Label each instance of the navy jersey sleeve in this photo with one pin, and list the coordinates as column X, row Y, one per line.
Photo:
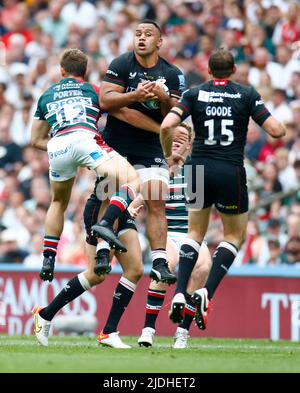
column 258, row 111
column 39, row 115
column 175, row 82
column 186, row 103
column 115, row 72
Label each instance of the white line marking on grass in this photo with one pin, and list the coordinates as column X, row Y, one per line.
column 239, row 346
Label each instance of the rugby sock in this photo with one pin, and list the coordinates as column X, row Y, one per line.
column 158, row 256
column 118, row 204
column 50, row 245
column 188, row 256
column 74, row 288
column 222, row 260
column 155, row 301
column 190, row 312
column 122, row 296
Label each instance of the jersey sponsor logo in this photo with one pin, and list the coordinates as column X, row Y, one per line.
column 71, row 85
column 181, row 81
column 54, row 174
column 110, row 72
column 96, row 155
column 55, row 105
column 259, row 102
column 203, row 96
column 132, row 75
column 58, row 152
column 214, row 96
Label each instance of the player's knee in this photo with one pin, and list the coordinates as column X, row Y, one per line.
column 156, row 207
column 134, row 181
column 134, row 273
column 195, row 235
column 172, row 265
column 94, row 279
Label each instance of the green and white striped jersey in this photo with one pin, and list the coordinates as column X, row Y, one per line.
column 176, row 212
column 69, row 105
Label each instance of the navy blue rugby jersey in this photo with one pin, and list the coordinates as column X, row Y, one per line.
column 127, row 72
column 220, row 111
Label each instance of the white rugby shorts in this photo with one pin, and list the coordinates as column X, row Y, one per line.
column 69, row 151
column 153, row 173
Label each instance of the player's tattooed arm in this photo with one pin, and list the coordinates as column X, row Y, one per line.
column 40, row 134
column 112, row 96
column 166, row 102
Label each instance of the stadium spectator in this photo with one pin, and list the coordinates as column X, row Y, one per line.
column 10, row 252
column 252, row 22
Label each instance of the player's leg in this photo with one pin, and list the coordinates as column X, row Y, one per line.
column 54, row 223
column 232, row 202
column 77, row 285
column 132, row 266
column 122, row 183
column 189, row 252
column 155, row 298
column 197, row 280
column 234, row 235
column 154, row 189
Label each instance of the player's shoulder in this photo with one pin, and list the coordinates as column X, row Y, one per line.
column 243, row 88
column 125, row 58
column 169, row 66
column 49, row 92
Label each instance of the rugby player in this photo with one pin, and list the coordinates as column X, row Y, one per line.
column 220, row 111
column 177, row 218
column 131, row 261
column 65, row 125
column 136, row 74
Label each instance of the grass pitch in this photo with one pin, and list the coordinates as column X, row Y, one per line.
column 83, row 354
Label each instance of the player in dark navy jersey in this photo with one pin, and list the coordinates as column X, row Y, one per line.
column 220, row 111
column 143, row 81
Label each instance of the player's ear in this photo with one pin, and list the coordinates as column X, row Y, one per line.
column 234, row 70
column 63, row 72
column 159, row 43
column 209, row 71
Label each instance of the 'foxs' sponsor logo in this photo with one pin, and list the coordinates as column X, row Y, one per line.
column 55, row 105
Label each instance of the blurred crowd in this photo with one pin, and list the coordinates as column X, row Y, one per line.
column 263, row 36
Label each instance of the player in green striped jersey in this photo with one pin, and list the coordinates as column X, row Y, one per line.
column 65, row 125
column 177, row 218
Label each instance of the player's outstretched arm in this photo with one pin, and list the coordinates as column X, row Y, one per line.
column 273, row 127
column 112, row 96
column 170, row 122
column 40, row 134
column 136, row 119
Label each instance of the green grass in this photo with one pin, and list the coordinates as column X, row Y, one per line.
column 82, row 354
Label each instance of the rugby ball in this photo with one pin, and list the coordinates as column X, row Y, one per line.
column 155, row 104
